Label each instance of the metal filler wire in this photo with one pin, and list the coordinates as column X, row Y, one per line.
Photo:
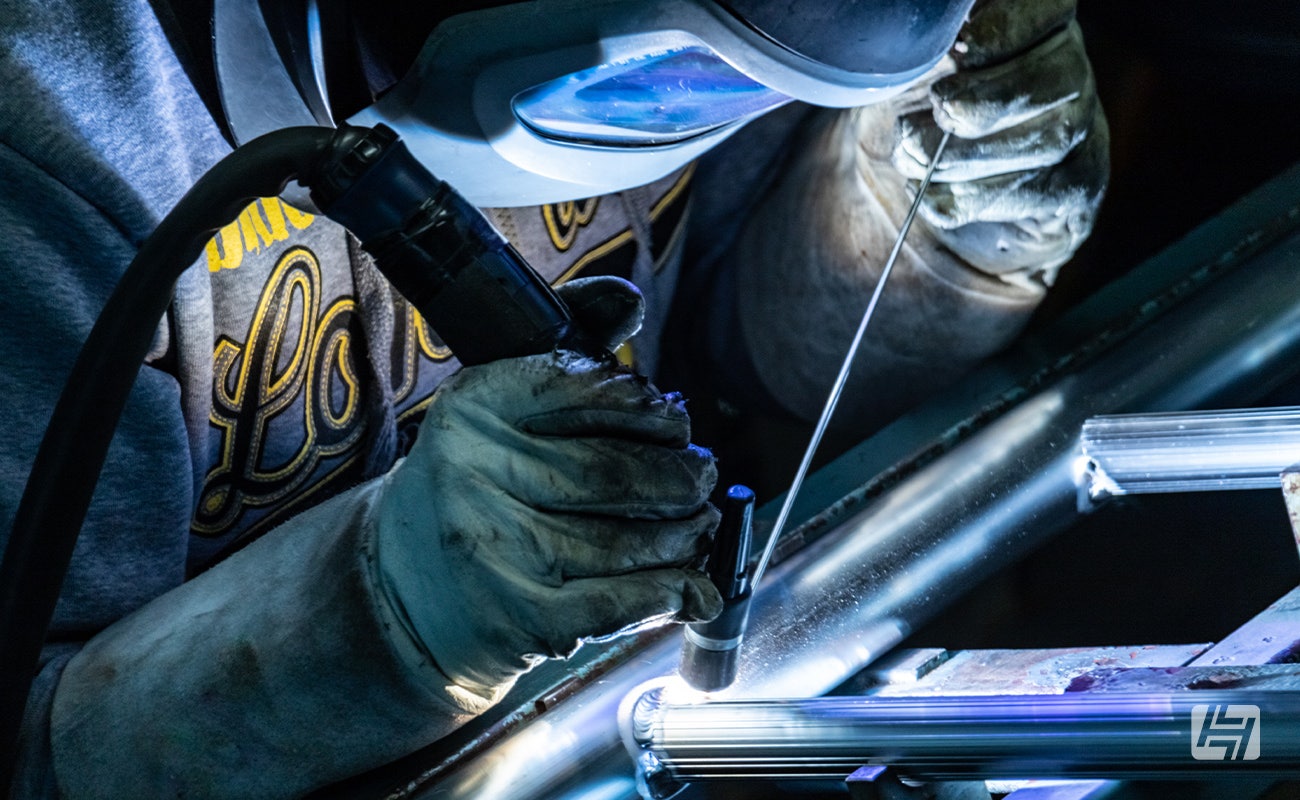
column 838, row 388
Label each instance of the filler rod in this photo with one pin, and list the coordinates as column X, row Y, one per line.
column 838, row 387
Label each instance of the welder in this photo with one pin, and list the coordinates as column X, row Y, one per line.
column 318, row 544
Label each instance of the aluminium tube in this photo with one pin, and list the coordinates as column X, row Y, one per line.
column 830, row 609
column 1178, row 735
column 1189, row 451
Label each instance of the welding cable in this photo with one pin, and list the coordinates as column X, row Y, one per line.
column 67, row 466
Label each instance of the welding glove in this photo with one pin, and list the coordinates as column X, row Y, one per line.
column 1015, row 194
column 548, row 499
column 1017, row 188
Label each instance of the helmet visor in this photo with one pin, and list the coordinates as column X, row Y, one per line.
column 657, row 99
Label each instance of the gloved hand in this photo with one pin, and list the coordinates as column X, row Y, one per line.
column 548, row 499
column 1013, row 198
column 1017, row 188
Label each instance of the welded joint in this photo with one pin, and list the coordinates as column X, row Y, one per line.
column 1092, row 484
column 1291, row 496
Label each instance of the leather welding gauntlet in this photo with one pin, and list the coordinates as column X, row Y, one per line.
column 548, row 499
column 1013, row 197
column 1017, row 188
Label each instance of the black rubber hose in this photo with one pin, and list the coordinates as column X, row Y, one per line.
column 71, row 455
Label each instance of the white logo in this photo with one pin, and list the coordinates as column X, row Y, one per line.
column 1221, row 737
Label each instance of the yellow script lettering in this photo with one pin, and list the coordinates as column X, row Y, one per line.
column 259, row 224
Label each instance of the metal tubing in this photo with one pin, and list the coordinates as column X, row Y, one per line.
column 1189, row 451
column 826, row 612
column 1169, row 736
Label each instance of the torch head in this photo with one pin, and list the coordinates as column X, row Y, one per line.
column 711, row 650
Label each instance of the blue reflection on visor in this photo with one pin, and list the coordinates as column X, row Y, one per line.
column 653, row 100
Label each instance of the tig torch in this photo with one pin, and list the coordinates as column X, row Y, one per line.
column 481, row 297
column 710, row 650
column 455, row 268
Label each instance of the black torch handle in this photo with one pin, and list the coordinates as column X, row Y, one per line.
column 477, row 292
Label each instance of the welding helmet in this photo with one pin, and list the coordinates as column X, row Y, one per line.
column 534, row 102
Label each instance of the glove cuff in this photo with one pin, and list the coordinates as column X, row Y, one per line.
column 812, row 254
column 430, row 624
column 285, row 647
column 414, row 644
